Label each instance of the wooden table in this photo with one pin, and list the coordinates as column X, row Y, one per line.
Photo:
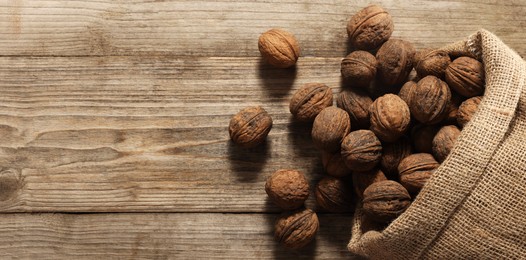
column 114, row 115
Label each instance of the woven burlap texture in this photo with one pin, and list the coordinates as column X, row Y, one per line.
column 474, row 206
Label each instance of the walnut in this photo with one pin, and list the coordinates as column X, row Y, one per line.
column 467, row 109
column 369, row 28
column 393, row 154
column 451, row 117
column 250, row 126
column 297, row 228
column 405, row 91
column 395, row 62
column 359, row 68
column 330, row 126
column 384, row 201
column 361, row 150
column 362, row 180
column 415, row 170
column 422, row 137
column 357, row 103
column 431, row 62
column 287, row 188
column 390, row 117
column 465, row 75
column 334, row 195
column 429, row 100
column 309, row 100
column 334, row 165
column 444, row 141
column 279, row 48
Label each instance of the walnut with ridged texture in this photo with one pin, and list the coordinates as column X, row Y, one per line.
column 334, row 165
column 467, row 109
column 359, row 68
column 384, row 201
column 429, row 100
column 444, row 141
column 390, row 117
column 395, row 62
column 369, row 28
column 361, row 150
column 287, row 188
column 431, row 62
column 362, row 180
column 308, row 101
column 279, row 48
column 296, row 229
column 415, row 170
column 334, row 195
column 466, row 76
column 393, row 154
column 357, row 103
column 250, row 126
column 330, row 127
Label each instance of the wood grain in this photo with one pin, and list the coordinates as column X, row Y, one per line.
column 146, row 134
column 230, row 28
column 162, row 236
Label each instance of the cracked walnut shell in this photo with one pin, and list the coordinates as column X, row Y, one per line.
column 287, row 188
column 279, row 48
column 250, row 126
column 369, row 28
column 309, row 100
column 297, row 228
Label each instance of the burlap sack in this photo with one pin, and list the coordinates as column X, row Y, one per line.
column 474, row 206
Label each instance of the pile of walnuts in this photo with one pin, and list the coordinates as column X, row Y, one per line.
column 387, row 134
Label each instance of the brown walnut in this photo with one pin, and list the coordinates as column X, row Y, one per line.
column 309, row 100
column 429, row 100
column 361, row 150
column 451, row 117
column 444, row 141
column 362, row 180
column 465, row 75
column 369, row 28
column 405, row 91
column 287, row 188
column 390, row 117
column 357, row 103
column 422, row 137
column 250, row 126
column 359, row 68
column 296, row 229
column 334, row 165
column 279, row 48
column 395, row 62
column 415, row 170
column 431, row 62
column 330, row 127
column 334, row 195
column 385, row 200
column 393, row 154
column 467, row 109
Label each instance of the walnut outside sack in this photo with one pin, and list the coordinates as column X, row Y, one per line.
column 474, row 205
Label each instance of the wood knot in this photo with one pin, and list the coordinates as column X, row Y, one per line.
column 10, row 183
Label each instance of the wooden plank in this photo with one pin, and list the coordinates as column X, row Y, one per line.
column 161, row 236
column 231, row 28
column 146, row 134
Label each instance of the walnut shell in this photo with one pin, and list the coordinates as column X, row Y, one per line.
column 465, row 75
column 334, row 165
column 361, row 150
column 279, row 48
column 467, row 109
column 431, row 62
column 393, row 154
column 250, row 126
column 384, row 201
column 362, row 180
column 405, row 91
column 309, row 100
column 390, row 117
column 334, row 195
column 422, row 137
column 356, row 103
column 429, row 100
column 287, row 188
column 330, row 127
column 369, row 28
column 297, row 228
column 359, row 68
column 395, row 62
column 415, row 170
column 444, row 141
column 451, row 117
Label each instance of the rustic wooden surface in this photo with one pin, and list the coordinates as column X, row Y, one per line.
column 114, row 114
